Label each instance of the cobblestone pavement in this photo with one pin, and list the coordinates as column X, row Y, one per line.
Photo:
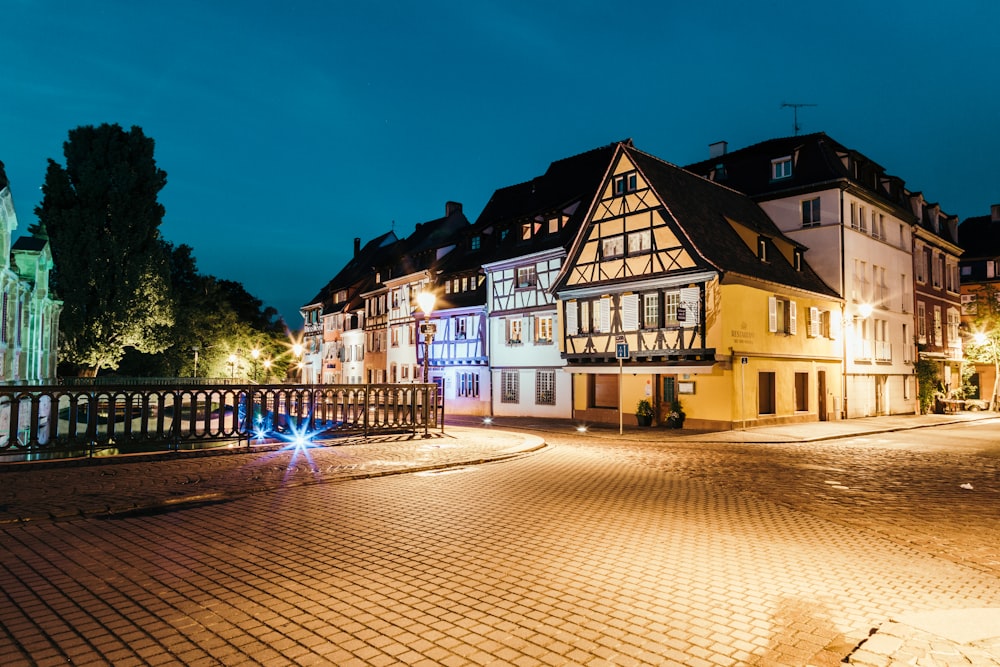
column 595, row 550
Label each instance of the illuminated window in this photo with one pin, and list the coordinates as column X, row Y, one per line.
column 526, row 276
column 545, row 388
column 514, row 332
column 639, row 242
column 671, row 301
column 651, row 311
column 509, row 381
column 543, row 329
column 612, row 247
column 475, row 242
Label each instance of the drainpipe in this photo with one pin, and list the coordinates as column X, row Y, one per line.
column 843, row 307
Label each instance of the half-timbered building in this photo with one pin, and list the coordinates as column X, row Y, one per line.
column 527, row 228
column 677, row 288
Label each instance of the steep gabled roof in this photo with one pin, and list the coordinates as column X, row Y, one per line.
column 707, row 212
column 564, row 190
column 979, row 237
column 359, row 269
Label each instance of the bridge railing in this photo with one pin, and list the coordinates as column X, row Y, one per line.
column 103, row 419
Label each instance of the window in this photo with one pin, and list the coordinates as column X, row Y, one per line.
column 509, row 381
column 801, row 392
column 404, row 372
column 953, row 320
column 762, row 248
column 765, row 393
column 639, row 242
column 394, row 332
column 475, row 243
column 526, row 276
column 921, row 322
column 530, row 229
column 966, row 270
column 543, row 329
column 862, row 220
column 797, row 259
column 468, row 385
column 883, row 350
column 626, row 183
column 781, row 315
column 613, row 246
column 514, row 332
column 459, row 327
column 671, row 301
column 814, row 325
column 907, row 344
column 854, row 215
column 810, row 212
column 938, row 268
column 938, row 334
column 651, row 311
column 781, row 168
column 545, row 388
column 584, row 317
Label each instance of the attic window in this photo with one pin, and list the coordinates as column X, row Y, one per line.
column 626, row 183
column 781, row 168
column 475, row 242
column 762, row 248
column 720, row 172
column 797, row 259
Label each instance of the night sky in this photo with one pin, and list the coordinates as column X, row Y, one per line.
column 288, row 128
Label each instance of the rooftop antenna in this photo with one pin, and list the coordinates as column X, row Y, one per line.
column 795, row 109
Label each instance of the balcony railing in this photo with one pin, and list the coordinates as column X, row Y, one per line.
column 39, row 422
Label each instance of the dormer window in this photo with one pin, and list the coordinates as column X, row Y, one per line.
column 475, row 242
column 762, row 248
column 626, row 183
column 781, row 168
column 797, row 259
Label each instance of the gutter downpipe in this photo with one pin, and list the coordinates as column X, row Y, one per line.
column 843, row 306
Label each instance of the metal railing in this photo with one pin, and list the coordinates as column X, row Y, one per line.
column 106, row 419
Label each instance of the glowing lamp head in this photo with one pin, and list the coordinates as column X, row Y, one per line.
column 232, row 358
column 980, row 338
column 255, row 353
column 865, row 309
column 426, row 301
column 297, row 349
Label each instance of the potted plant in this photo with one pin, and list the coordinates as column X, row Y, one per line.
column 644, row 412
column 675, row 419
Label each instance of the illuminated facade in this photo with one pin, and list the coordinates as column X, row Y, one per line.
column 702, row 297
column 861, row 227
column 29, row 316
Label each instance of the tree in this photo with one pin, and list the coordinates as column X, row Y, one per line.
column 983, row 343
column 102, row 217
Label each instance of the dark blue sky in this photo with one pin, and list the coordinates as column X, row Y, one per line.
column 288, row 128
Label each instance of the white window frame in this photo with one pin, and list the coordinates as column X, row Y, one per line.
column 781, row 168
column 545, row 387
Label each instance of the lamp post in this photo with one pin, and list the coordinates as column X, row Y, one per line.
column 267, row 369
column 232, row 366
column 426, row 301
column 195, row 348
column 982, row 339
column 255, row 354
column 298, row 351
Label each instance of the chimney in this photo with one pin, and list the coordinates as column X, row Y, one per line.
column 357, row 246
column 718, row 149
column 452, row 207
column 995, row 212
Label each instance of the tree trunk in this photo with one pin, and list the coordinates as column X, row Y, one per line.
column 89, row 372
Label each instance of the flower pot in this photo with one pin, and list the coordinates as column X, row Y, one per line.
column 644, row 420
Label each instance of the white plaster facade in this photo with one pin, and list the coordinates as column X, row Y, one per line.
column 526, row 366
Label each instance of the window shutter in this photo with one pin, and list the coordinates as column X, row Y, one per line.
column 813, row 321
column 605, row 314
column 772, row 314
column 791, row 317
column 630, row 312
column 835, row 325
column 572, row 327
column 690, row 301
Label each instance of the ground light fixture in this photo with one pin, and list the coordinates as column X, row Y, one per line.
column 426, row 300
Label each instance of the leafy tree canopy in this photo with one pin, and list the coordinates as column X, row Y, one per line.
column 102, row 217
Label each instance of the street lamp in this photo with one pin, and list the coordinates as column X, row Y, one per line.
column 982, row 339
column 195, row 348
column 426, row 301
column 232, row 366
column 267, row 369
column 298, row 351
column 255, row 353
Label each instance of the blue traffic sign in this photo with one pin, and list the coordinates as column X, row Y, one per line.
column 621, row 351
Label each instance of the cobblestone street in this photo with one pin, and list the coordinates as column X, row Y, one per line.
column 596, row 549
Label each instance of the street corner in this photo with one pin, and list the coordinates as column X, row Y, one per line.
column 500, row 441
